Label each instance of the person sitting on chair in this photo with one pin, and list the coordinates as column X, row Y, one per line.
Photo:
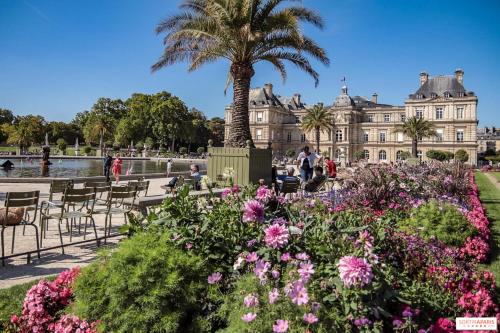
column 195, row 175
column 319, row 177
column 331, row 167
column 290, row 171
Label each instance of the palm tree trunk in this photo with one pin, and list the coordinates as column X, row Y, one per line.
column 240, row 127
column 318, row 137
column 414, row 144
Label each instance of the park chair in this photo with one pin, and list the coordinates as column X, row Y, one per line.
column 76, row 204
column 25, row 205
column 101, row 191
column 120, row 202
column 178, row 185
column 290, row 186
column 318, row 188
column 142, row 186
column 58, row 186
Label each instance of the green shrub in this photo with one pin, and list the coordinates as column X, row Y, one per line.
column 61, row 144
column 436, row 155
column 442, row 221
column 183, row 150
column 200, row 150
column 146, row 285
column 87, row 149
column 290, row 152
column 461, row 156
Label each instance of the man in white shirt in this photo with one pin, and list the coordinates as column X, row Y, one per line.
column 305, row 162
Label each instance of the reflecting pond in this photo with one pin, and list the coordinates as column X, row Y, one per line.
column 81, row 167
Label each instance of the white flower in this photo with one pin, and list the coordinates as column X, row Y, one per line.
column 238, row 263
column 228, row 172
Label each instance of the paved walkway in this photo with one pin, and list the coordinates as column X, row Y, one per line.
column 16, row 270
column 492, row 179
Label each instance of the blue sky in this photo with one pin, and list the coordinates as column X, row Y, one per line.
column 57, row 57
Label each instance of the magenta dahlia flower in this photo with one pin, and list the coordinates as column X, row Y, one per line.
column 355, row 271
column 276, row 236
column 253, row 211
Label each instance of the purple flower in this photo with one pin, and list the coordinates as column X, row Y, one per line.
column 275, row 273
column 396, row 322
column 252, row 257
column 251, row 243
column 305, row 271
column 362, row 322
column 263, row 193
column 315, row 307
column 226, row 192
column 189, row 246
column 281, row 326
column 276, row 236
column 273, row 296
column 407, row 312
column 302, row 256
column 354, row 271
column 214, row 278
column 253, row 211
column 251, row 301
column 286, row 257
column 248, row 317
column 261, row 268
column 310, row 318
column 280, row 220
column 298, row 293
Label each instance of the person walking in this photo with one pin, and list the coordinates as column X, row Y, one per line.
column 169, row 167
column 108, row 162
column 305, row 163
column 117, row 167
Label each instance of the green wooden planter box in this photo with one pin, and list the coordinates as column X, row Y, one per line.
column 249, row 164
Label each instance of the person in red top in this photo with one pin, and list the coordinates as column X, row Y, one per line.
column 117, row 167
column 331, row 167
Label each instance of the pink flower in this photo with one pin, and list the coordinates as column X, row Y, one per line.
column 302, row 256
column 305, row 271
column 248, row 317
column 251, row 301
column 252, row 257
column 261, row 268
column 273, row 296
column 214, row 278
column 276, row 236
column 253, row 211
column 310, row 318
column 14, row 319
column 226, row 192
column 298, row 293
column 354, row 271
column 444, row 325
column 286, row 257
column 275, row 273
column 263, row 193
column 281, row 326
column 189, row 246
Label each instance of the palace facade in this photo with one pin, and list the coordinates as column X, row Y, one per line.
column 362, row 124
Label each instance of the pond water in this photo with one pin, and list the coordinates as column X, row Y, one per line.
column 68, row 168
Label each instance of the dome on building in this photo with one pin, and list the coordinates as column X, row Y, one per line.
column 343, row 100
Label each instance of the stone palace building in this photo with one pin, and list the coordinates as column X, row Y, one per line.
column 362, row 124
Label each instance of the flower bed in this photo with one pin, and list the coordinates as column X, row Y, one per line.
column 345, row 261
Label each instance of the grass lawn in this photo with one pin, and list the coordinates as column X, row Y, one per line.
column 496, row 175
column 11, row 299
column 490, row 197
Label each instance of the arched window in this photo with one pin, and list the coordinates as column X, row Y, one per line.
column 338, row 135
column 366, row 154
column 337, row 154
column 382, row 155
column 399, row 154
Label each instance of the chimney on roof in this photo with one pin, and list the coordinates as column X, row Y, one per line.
column 374, row 98
column 459, row 75
column 423, row 78
column 268, row 88
column 296, row 99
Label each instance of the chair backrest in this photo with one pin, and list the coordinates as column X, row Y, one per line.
column 141, row 186
column 78, row 195
column 59, row 186
column 99, row 187
column 319, row 186
column 27, row 200
column 290, row 186
column 123, row 192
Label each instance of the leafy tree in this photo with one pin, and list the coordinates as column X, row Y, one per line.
column 26, row 130
column 405, row 155
column 416, row 128
column 183, row 150
column 87, row 150
column 149, row 143
column 317, row 120
column 6, row 116
column 436, row 155
column 461, row 156
column 216, row 130
column 61, row 144
column 359, row 155
column 102, row 120
column 244, row 32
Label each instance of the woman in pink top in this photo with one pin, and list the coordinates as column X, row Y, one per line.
column 117, row 167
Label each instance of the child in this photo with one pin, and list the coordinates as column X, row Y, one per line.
column 117, row 167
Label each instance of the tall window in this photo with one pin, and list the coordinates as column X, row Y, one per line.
column 260, row 117
column 289, row 137
column 399, row 154
column 370, row 118
column 439, row 134
column 387, row 118
column 419, row 113
column 366, row 136
column 302, row 138
column 447, row 95
column 382, row 155
column 439, row 113
column 337, row 154
column 381, row 137
column 338, row 135
column 403, row 117
column 460, row 135
column 258, row 134
column 460, row 112
column 366, row 154
column 400, row 136
column 297, row 119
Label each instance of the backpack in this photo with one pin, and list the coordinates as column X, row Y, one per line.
column 305, row 164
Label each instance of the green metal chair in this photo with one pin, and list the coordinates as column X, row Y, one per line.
column 142, row 186
column 289, row 186
column 101, row 191
column 76, row 204
column 28, row 202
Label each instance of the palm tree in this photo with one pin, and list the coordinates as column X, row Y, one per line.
column 317, row 119
column 416, row 128
column 244, row 32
